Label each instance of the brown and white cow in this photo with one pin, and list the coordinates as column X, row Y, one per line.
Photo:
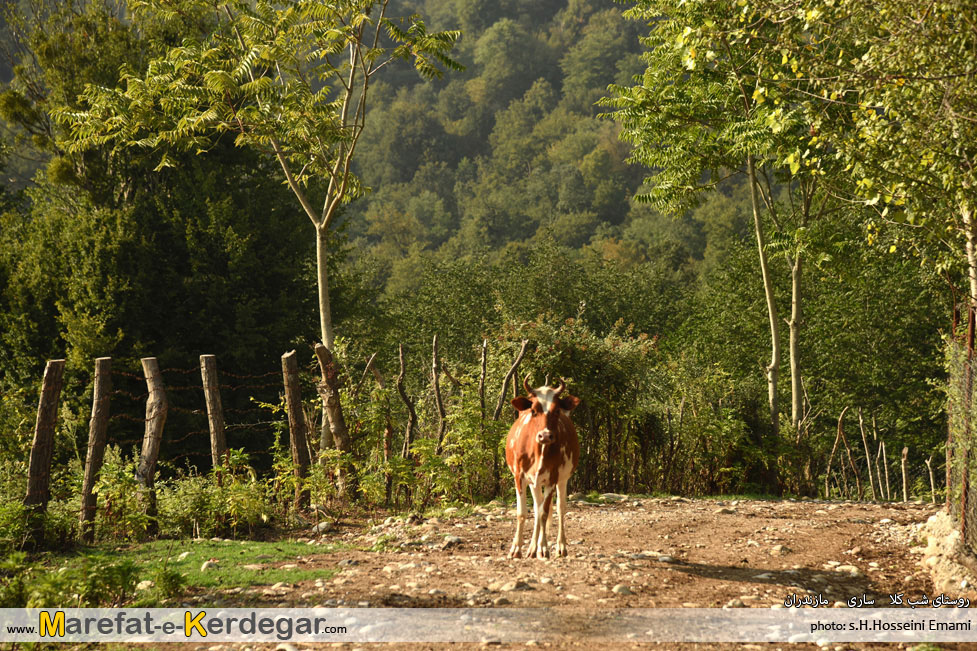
column 542, row 450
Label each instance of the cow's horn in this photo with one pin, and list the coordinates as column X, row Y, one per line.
column 525, row 384
column 559, row 389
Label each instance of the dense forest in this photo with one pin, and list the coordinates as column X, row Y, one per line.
column 584, row 175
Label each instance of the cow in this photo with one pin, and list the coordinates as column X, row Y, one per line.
column 542, row 450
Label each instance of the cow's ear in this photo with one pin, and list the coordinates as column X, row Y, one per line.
column 569, row 403
column 522, row 403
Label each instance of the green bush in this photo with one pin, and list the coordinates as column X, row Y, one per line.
column 120, row 515
column 226, row 502
column 88, row 584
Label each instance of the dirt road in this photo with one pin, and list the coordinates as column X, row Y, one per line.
column 624, row 553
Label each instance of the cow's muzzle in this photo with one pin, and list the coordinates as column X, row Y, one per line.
column 544, row 436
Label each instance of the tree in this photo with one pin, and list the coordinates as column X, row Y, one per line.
column 709, row 105
column 291, row 79
column 900, row 77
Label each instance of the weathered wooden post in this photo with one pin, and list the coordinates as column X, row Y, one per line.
column 42, row 450
column 929, row 466
column 411, row 413
column 885, row 460
column 215, row 411
column 298, row 437
column 868, row 455
column 438, row 401
column 156, row 408
column 905, row 489
column 102, row 393
column 328, row 389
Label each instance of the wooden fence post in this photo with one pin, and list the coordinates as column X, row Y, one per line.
column 411, row 413
column 102, row 393
column 328, row 389
column 885, row 460
column 929, row 466
column 868, row 455
column 438, row 401
column 42, row 449
column 156, row 408
column 905, row 489
column 215, row 411
column 296, row 427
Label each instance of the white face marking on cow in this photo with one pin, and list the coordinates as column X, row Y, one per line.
column 528, row 417
column 546, row 396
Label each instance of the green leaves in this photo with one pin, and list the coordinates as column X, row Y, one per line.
column 287, row 78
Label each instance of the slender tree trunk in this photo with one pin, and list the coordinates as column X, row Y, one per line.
column 326, row 436
column 773, row 368
column 794, row 325
column 322, row 275
column 971, row 244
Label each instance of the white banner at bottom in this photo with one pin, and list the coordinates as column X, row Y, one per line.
column 506, row 625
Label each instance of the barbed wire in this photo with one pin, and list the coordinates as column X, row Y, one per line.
column 129, row 394
column 141, row 378
column 235, row 387
column 250, row 377
column 185, row 371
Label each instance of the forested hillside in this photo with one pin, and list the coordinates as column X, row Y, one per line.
column 494, row 202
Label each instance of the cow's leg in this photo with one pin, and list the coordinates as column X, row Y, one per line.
column 516, row 550
column 561, row 509
column 537, row 509
column 543, row 548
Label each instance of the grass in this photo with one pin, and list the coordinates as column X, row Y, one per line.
column 229, row 571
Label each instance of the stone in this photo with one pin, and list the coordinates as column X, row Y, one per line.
column 286, row 646
column 450, row 541
column 323, row 527
column 500, row 601
column 208, row 565
column 145, row 585
column 849, row 569
column 182, row 556
column 621, row 589
column 735, row 603
column 725, row 511
column 515, row 585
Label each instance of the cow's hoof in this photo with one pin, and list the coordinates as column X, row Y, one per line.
column 543, row 553
column 515, row 553
column 531, row 552
column 561, row 550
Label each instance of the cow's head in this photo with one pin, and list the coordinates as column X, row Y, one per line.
column 542, row 406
